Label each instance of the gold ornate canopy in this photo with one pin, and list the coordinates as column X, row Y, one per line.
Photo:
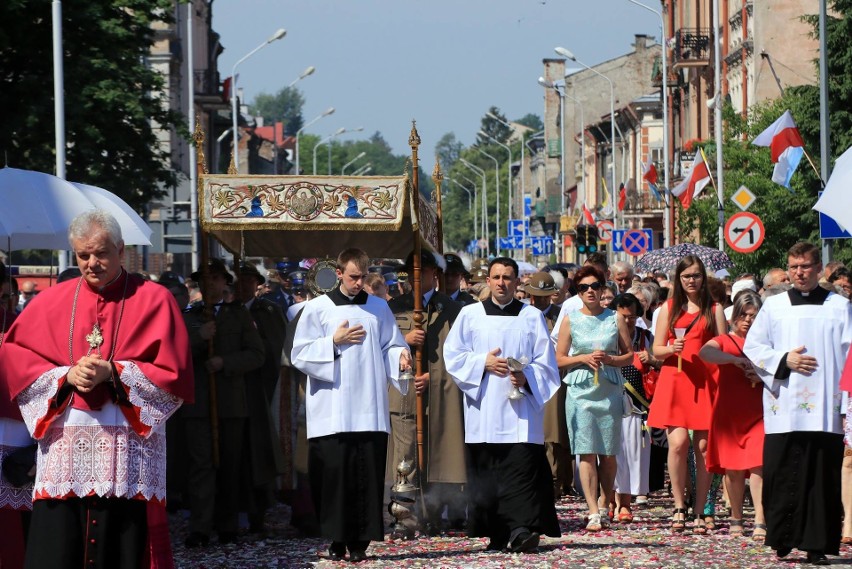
column 314, row 216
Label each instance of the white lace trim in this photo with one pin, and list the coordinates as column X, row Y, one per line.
column 103, row 460
column 35, row 399
column 98, row 452
column 11, row 497
column 155, row 405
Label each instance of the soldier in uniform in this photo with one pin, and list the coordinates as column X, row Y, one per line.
column 453, row 275
column 266, row 461
column 541, row 287
column 445, row 470
column 213, row 492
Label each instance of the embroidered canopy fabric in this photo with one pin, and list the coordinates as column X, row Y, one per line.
column 310, row 216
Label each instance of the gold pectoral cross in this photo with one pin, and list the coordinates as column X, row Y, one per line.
column 95, row 339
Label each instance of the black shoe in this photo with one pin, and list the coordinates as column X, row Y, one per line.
column 497, row 545
column 817, row 558
column 783, row 552
column 227, row 537
column 357, row 556
column 197, row 539
column 526, row 542
column 337, row 550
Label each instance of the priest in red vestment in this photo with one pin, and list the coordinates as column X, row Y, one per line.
column 96, row 366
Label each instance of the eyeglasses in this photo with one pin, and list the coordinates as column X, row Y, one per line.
column 803, row 266
column 584, row 287
column 692, row 277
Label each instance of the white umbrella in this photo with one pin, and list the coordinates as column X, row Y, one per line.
column 38, row 208
column 134, row 230
column 525, row 268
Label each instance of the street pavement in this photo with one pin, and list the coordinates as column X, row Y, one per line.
column 647, row 542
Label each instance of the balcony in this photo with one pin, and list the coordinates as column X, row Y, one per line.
column 735, row 58
column 692, row 48
column 657, row 75
column 207, row 93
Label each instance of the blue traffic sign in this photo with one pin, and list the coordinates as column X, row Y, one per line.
column 829, row 229
column 518, row 227
column 618, row 244
column 527, row 206
column 637, row 241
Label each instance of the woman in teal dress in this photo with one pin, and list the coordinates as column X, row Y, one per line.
column 593, row 345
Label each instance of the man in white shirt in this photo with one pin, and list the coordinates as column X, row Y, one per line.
column 511, row 489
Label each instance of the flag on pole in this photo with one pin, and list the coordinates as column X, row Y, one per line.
column 837, row 196
column 649, row 174
column 622, row 198
column 587, row 215
column 786, row 145
column 692, row 185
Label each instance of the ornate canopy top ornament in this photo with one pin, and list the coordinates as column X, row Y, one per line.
column 437, row 174
column 413, row 138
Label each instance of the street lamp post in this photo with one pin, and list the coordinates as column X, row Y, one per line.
column 307, row 72
column 565, row 53
column 328, row 111
column 508, row 176
column 338, row 132
column 511, row 205
column 348, row 164
column 276, row 36
column 469, row 203
column 362, row 171
column 667, row 214
column 359, row 129
column 475, row 214
column 484, row 220
column 497, row 185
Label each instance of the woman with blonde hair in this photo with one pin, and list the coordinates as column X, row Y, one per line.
column 683, row 400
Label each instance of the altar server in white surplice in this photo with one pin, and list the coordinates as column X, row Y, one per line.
column 348, row 344
column 798, row 343
column 511, row 488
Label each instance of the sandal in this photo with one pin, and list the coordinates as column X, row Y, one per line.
column 709, row 522
column 625, row 516
column 735, row 528
column 594, row 522
column 759, row 533
column 699, row 527
column 678, row 522
column 845, row 540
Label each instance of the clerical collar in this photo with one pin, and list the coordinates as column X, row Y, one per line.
column 513, row 308
column 339, row 299
column 112, row 288
column 815, row 296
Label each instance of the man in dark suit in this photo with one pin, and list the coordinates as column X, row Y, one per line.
column 237, row 349
column 266, row 460
column 453, row 275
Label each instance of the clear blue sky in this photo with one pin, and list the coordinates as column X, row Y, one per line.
column 381, row 63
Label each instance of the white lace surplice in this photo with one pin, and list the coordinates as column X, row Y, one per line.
column 98, row 452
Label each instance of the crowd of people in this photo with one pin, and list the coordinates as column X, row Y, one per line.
column 588, row 381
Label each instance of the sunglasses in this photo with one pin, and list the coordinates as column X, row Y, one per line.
column 584, row 287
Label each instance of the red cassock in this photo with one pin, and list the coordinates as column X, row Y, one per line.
column 735, row 441
column 109, row 442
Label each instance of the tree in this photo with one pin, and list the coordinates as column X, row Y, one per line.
column 284, row 106
column 532, row 121
column 115, row 104
column 494, row 128
column 448, row 150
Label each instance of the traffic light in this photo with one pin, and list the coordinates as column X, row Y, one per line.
column 587, row 239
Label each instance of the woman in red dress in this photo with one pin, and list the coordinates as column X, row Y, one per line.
column 735, row 443
column 682, row 401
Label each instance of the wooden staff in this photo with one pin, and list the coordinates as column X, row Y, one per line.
column 419, row 318
column 438, row 178
column 207, row 314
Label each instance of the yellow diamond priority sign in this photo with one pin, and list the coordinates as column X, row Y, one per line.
column 743, row 197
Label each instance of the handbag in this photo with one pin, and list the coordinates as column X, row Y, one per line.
column 649, row 381
column 18, row 464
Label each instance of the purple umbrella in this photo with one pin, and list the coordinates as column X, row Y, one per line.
column 665, row 260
